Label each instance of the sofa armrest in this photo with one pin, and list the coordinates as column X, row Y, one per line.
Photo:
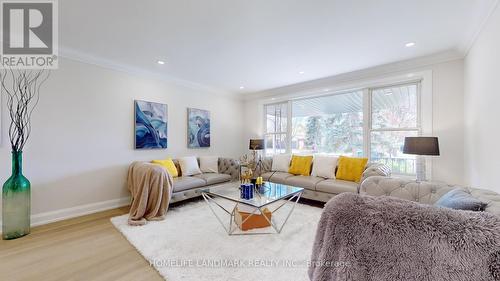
column 487, row 196
column 230, row 167
column 376, row 169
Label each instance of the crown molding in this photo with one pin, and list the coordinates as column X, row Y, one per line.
column 367, row 73
column 81, row 57
column 468, row 45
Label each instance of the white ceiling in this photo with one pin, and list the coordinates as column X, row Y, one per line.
column 263, row 44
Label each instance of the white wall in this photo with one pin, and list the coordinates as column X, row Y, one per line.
column 447, row 107
column 482, row 100
column 82, row 140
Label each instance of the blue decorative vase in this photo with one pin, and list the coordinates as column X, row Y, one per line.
column 246, row 191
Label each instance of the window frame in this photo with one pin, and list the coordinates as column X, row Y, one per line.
column 287, row 131
column 370, row 129
column 367, row 92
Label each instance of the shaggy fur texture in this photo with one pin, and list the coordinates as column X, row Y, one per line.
column 384, row 238
column 190, row 232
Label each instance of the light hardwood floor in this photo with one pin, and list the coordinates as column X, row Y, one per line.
column 84, row 248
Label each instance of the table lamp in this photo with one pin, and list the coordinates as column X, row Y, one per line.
column 421, row 146
column 257, row 144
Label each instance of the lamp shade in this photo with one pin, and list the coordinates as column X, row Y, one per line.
column 256, row 144
column 421, row 146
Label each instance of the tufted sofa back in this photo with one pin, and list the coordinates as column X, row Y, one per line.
column 226, row 166
column 371, row 169
column 423, row 192
column 230, row 166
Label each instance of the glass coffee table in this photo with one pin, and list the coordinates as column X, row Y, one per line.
column 273, row 206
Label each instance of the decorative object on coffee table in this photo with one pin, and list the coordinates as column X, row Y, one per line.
column 246, row 220
column 245, row 177
column 421, row 146
column 150, row 125
column 22, row 90
column 260, row 186
column 246, row 191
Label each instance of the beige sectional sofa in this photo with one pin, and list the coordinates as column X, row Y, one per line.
column 317, row 188
column 186, row 187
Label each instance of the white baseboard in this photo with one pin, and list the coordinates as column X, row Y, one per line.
column 62, row 214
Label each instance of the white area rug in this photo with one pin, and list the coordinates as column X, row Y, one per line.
column 190, row 244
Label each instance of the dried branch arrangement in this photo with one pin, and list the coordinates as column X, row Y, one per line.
column 22, row 90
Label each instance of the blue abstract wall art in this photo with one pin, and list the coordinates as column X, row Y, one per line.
column 198, row 128
column 150, row 125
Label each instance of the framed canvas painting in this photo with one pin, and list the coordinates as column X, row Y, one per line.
column 150, row 125
column 198, row 128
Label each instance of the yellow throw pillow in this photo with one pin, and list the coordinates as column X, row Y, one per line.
column 301, row 165
column 351, row 169
column 169, row 165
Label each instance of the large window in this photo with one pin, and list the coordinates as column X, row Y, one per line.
column 276, row 128
column 372, row 122
column 331, row 124
column 394, row 116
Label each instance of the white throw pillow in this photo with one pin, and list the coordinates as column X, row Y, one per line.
column 209, row 164
column 189, row 166
column 281, row 163
column 324, row 166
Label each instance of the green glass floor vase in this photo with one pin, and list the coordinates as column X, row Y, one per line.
column 16, row 201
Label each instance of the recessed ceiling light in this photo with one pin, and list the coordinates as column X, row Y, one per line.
column 241, row 87
column 326, row 90
column 410, row 44
column 273, row 98
column 301, row 72
column 160, row 62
